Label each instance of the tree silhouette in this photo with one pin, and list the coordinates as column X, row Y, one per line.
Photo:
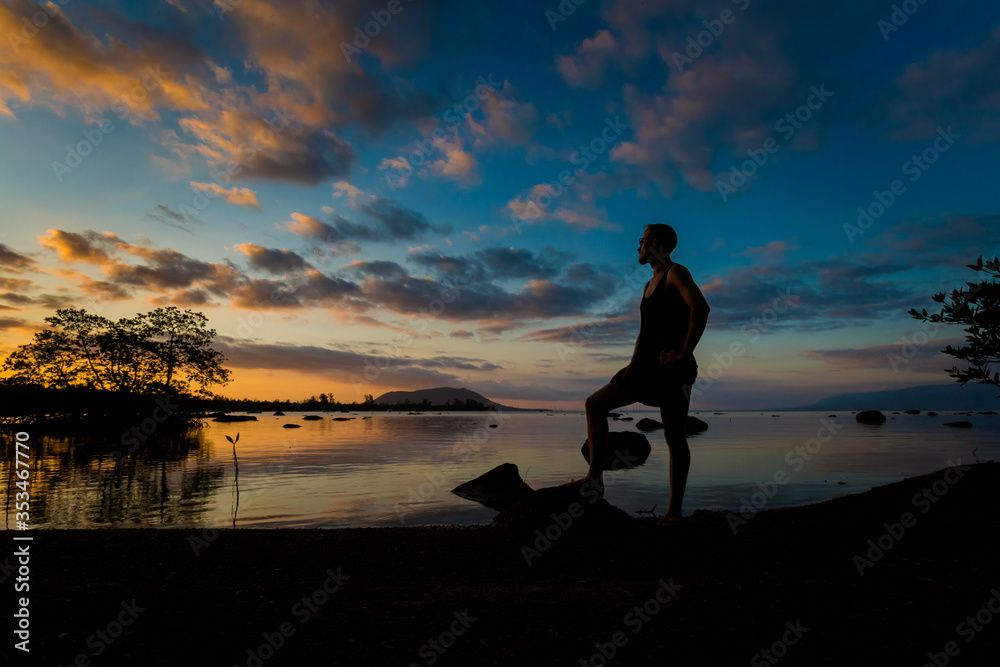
column 165, row 350
column 978, row 308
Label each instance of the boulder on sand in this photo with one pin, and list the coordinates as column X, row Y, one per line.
column 563, row 513
column 870, row 417
column 625, row 449
column 497, row 489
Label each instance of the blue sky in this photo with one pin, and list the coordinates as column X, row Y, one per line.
column 302, row 207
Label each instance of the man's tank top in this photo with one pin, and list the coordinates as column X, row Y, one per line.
column 663, row 322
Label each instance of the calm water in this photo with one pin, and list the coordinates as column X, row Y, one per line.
column 393, row 469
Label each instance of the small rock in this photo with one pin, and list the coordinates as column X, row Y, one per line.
column 235, row 418
column 694, row 425
column 292, row 426
column 870, row 417
column 932, row 414
column 312, row 418
column 646, row 424
column 279, row 413
column 959, row 424
column 624, row 450
column 497, row 489
column 912, row 412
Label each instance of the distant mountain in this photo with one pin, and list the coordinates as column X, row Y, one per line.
column 438, row 396
column 925, row 397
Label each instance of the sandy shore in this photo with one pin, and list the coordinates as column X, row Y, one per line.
column 787, row 582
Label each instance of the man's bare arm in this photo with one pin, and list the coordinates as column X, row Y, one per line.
column 695, row 300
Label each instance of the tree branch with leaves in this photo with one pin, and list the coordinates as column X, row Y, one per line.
column 977, row 306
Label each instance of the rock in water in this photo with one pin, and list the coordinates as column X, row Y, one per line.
column 561, row 513
column 912, row 412
column 692, row 426
column 959, row 424
column 235, row 418
column 646, row 424
column 497, row 489
column 932, row 414
column 312, row 418
column 624, row 450
column 279, row 413
column 870, row 417
column 292, row 426
column 695, row 425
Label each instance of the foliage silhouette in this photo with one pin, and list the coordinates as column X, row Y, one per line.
column 164, row 351
column 978, row 308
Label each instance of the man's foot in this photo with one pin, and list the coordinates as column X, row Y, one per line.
column 669, row 520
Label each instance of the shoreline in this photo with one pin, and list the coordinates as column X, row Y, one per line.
column 388, row 592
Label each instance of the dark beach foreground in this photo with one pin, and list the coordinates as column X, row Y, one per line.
column 786, row 583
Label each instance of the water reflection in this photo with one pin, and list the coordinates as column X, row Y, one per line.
column 89, row 483
column 398, row 469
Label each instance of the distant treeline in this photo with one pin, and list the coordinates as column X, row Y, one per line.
column 86, row 411
column 95, row 409
column 220, row 404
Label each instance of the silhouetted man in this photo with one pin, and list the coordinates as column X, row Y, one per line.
column 673, row 313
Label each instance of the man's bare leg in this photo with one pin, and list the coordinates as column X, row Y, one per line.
column 598, row 404
column 674, row 415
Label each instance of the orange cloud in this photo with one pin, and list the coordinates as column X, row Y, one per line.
column 72, row 247
column 235, row 196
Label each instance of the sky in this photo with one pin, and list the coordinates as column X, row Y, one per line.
column 374, row 196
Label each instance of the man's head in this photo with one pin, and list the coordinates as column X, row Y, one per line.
column 659, row 241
